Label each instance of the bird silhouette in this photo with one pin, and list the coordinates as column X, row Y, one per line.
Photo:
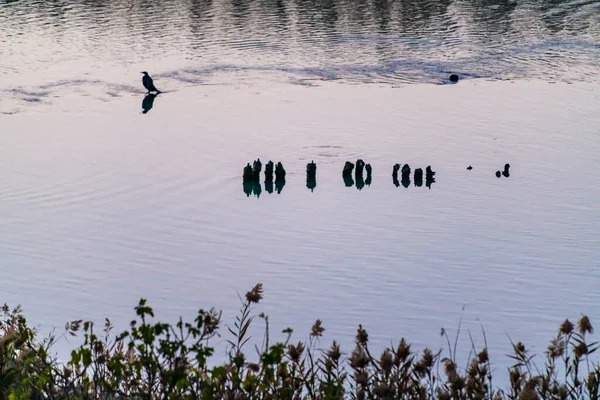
column 149, row 83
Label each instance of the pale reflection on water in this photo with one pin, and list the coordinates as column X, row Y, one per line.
column 102, row 203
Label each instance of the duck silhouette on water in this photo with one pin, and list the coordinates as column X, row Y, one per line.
column 149, row 83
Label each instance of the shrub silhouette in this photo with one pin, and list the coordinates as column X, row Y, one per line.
column 155, row 360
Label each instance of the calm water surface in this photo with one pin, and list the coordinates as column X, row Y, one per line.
column 101, row 204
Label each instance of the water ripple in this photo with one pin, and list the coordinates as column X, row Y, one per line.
column 390, row 42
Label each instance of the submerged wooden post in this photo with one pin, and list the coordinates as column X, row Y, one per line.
column 347, row 174
column 251, row 178
column 360, row 165
column 256, row 168
column 311, row 175
column 418, row 177
column 348, row 168
column 252, row 173
column 248, row 173
column 369, row 174
column 279, row 177
column 358, row 174
column 395, row 170
column 279, row 172
column 405, row 175
column 429, row 179
column 429, row 174
column 269, row 172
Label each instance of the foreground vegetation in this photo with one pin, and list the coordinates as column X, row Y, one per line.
column 155, row 360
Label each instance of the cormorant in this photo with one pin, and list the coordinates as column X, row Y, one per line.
column 148, row 83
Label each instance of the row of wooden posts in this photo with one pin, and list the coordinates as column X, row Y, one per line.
column 352, row 174
column 251, row 177
column 252, row 172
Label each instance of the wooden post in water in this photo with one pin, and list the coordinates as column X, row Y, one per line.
column 311, row 175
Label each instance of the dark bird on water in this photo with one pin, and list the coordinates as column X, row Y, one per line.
column 148, row 83
column 469, row 168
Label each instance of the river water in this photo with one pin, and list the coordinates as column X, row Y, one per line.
column 101, row 203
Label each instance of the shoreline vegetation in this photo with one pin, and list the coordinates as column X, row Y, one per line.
column 155, row 360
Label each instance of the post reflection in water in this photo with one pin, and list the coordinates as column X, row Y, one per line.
column 348, row 180
column 311, row 183
column 254, row 187
column 269, row 186
column 279, row 184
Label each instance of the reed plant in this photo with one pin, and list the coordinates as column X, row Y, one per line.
column 156, row 360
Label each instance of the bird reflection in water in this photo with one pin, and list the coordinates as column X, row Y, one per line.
column 148, row 102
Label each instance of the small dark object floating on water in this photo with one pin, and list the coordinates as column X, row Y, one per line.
column 498, row 174
column 453, row 78
column 505, row 172
column 469, row 168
